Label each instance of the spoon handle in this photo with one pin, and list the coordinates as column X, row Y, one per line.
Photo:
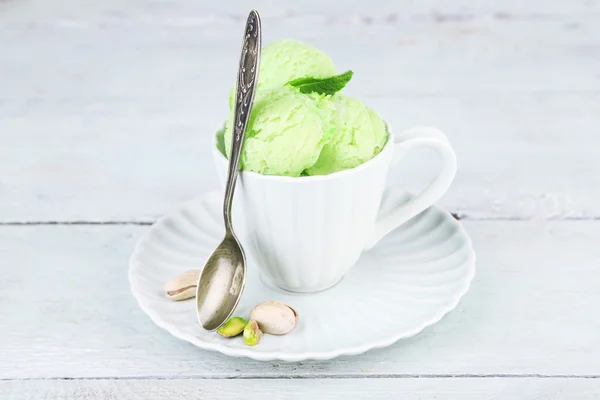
column 247, row 80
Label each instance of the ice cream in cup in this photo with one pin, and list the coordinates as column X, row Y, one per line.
column 314, row 167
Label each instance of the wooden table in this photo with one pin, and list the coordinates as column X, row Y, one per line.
column 106, row 114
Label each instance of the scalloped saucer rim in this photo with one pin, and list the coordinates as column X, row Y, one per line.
column 164, row 312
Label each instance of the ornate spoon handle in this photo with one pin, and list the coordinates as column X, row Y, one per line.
column 247, row 80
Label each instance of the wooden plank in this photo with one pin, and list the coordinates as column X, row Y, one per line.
column 376, row 389
column 162, row 60
column 117, row 123
column 438, row 10
column 67, row 312
column 520, row 156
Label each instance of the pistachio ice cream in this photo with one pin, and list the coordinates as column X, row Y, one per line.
column 301, row 123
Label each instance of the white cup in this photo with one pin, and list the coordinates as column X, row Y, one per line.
column 304, row 234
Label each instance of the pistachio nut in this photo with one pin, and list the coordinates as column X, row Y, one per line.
column 183, row 286
column 274, row 317
column 233, row 327
column 252, row 333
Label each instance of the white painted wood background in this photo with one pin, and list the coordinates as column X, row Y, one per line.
column 106, row 113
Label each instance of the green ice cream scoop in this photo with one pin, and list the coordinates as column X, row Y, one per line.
column 286, row 132
column 359, row 135
column 297, row 127
column 286, row 60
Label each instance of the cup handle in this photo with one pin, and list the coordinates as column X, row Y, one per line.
column 422, row 136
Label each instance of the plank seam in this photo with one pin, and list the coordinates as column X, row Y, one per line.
column 313, row 377
column 352, row 19
column 151, row 222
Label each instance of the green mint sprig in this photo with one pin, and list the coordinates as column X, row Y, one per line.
column 327, row 86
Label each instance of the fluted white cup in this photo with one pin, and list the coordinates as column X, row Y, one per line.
column 306, row 233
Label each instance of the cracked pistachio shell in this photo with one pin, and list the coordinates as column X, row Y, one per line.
column 274, row 317
column 183, row 286
column 252, row 333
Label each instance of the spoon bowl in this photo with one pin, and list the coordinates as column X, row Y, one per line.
column 221, row 283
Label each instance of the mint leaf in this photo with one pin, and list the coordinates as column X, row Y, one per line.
column 328, row 85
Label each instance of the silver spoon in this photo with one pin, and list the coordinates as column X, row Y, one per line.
column 222, row 280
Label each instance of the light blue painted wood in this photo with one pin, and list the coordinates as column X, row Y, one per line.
column 106, row 114
column 67, row 312
column 110, row 108
column 376, row 389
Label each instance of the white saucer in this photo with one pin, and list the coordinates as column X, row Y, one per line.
column 409, row 281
